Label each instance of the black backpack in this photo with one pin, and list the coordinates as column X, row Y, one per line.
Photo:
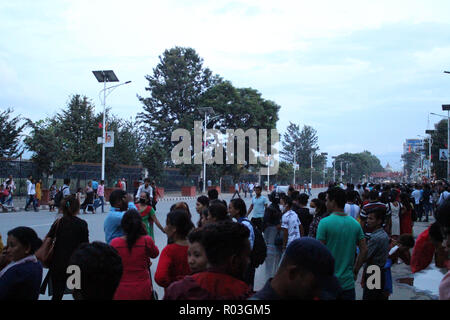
column 59, row 197
column 259, row 252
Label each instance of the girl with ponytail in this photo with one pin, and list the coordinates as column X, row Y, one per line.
column 135, row 248
column 68, row 232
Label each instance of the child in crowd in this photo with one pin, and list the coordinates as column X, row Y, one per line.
column 399, row 249
column 197, row 259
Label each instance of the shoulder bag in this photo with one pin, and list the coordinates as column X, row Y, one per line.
column 45, row 253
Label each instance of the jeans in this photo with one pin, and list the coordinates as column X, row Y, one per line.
column 31, row 198
column 102, row 200
column 419, row 211
column 427, row 208
column 236, row 192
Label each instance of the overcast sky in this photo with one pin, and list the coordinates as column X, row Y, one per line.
column 364, row 74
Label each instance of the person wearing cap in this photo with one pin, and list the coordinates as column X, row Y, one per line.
column 342, row 234
column 306, row 273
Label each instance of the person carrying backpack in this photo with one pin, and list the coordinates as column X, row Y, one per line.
column 63, row 192
column 238, row 210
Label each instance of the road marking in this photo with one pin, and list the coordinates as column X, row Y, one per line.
column 40, row 225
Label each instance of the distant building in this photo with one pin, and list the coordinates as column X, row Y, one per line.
column 413, row 145
column 388, row 168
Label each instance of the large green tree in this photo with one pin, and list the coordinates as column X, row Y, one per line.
column 43, row 141
column 357, row 165
column 10, row 133
column 303, row 143
column 238, row 108
column 175, row 87
column 77, row 127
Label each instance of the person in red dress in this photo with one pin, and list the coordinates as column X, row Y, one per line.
column 135, row 248
column 227, row 249
column 406, row 223
column 173, row 262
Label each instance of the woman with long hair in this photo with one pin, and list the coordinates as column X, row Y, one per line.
column 69, row 232
column 148, row 214
column 173, row 262
column 135, row 248
column 406, row 221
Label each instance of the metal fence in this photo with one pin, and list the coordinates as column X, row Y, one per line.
column 79, row 173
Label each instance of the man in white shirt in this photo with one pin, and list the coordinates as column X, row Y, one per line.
column 236, row 191
column 31, row 191
column 124, row 184
column 146, row 187
column 443, row 194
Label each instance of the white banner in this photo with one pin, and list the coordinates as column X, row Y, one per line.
column 109, row 141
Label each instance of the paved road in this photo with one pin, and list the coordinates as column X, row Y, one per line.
column 42, row 220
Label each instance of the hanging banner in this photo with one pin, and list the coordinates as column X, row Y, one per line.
column 109, row 140
column 443, row 154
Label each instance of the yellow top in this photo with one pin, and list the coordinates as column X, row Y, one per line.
column 38, row 191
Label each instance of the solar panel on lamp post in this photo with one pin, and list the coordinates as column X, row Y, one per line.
column 105, row 76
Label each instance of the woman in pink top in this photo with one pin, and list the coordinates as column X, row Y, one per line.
column 101, row 194
column 135, row 248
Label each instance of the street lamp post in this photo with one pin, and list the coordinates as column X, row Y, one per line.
column 430, row 142
column 295, row 161
column 106, row 76
column 205, row 110
column 324, row 165
column 334, row 169
column 312, row 154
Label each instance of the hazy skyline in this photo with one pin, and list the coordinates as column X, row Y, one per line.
column 365, row 75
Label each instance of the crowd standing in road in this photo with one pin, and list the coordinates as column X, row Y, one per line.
column 312, row 249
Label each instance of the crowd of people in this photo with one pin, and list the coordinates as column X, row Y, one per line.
column 312, row 249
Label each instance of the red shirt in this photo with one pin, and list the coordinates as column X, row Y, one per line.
column 423, row 252
column 135, row 283
column 208, row 286
column 172, row 265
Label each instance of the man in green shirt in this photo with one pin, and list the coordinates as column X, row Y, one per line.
column 342, row 234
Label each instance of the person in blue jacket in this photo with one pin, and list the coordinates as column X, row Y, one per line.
column 120, row 202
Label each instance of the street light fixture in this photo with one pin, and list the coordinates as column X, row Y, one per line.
column 105, row 76
column 324, row 165
column 446, row 107
column 334, row 168
column 430, row 143
column 206, row 111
